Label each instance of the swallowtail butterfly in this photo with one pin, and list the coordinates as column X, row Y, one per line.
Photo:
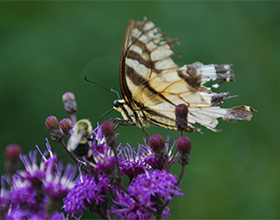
column 152, row 84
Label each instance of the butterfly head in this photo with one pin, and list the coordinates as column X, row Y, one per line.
column 116, row 104
column 120, row 106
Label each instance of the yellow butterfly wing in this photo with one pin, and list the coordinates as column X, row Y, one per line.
column 152, row 84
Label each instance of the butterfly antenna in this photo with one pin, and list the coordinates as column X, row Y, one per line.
column 110, row 90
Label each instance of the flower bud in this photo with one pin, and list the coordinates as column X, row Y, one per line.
column 51, row 121
column 181, row 112
column 184, row 149
column 69, row 101
column 55, row 131
column 66, row 125
column 158, row 145
column 108, row 129
column 12, row 153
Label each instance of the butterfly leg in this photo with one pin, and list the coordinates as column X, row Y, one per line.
column 144, row 129
column 118, row 119
column 122, row 122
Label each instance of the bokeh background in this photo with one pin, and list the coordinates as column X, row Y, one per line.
column 47, row 47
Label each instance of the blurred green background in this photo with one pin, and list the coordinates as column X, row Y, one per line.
column 47, row 47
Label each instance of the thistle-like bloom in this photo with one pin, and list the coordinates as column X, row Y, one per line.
column 24, row 193
column 86, row 195
column 103, row 156
column 104, row 159
column 157, row 144
column 150, row 156
column 132, row 162
column 181, row 113
column 66, row 125
column 108, row 130
column 21, row 214
column 57, row 185
column 55, row 130
column 70, row 104
column 149, row 188
column 35, row 192
column 184, row 149
column 12, row 153
column 5, row 197
column 152, row 190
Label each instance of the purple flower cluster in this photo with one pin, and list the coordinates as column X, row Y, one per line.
column 101, row 187
column 150, row 186
column 85, row 194
column 151, row 191
column 37, row 191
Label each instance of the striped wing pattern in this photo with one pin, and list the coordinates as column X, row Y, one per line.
column 153, row 84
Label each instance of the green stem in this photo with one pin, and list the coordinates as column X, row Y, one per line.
column 71, row 156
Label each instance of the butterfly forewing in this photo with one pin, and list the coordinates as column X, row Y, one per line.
column 152, row 84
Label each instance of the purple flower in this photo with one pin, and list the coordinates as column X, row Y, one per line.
column 57, row 185
column 23, row 193
column 5, row 195
column 152, row 190
column 34, row 173
column 150, row 157
column 85, row 194
column 132, row 163
column 35, row 192
column 19, row 214
column 103, row 160
column 130, row 209
column 156, row 183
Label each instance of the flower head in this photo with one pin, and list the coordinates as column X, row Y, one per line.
column 24, row 193
column 151, row 189
column 5, row 195
column 85, row 194
column 12, row 153
column 55, row 130
column 132, row 162
column 35, row 192
column 108, row 129
column 66, row 125
column 70, row 104
column 157, row 144
column 181, row 113
column 151, row 158
column 55, row 183
column 184, row 149
column 103, row 156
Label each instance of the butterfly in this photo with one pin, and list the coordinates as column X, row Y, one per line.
column 152, row 84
